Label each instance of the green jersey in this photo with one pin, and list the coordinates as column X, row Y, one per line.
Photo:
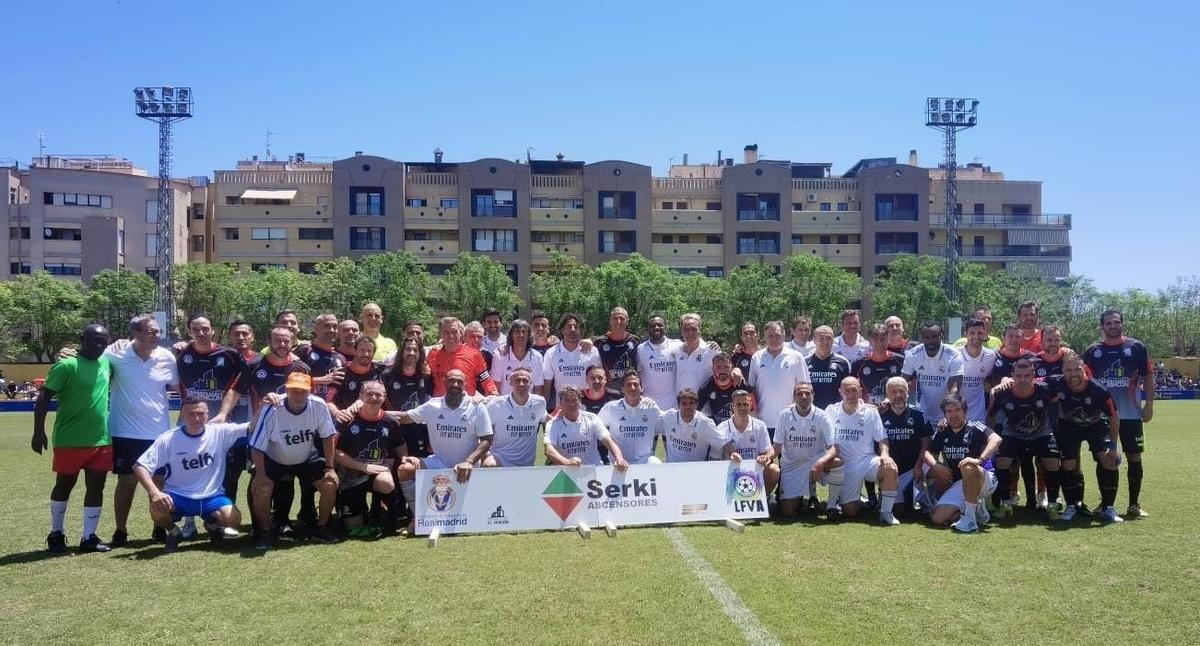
column 81, row 386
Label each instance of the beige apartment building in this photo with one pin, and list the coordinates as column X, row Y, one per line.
column 76, row 216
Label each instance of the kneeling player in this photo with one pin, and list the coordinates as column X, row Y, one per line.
column 690, row 435
column 908, row 435
column 366, row 446
column 572, row 438
column 516, row 418
column 959, row 481
column 857, row 430
column 750, row 437
column 807, row 454
column 193, row 456
column 1083, row 405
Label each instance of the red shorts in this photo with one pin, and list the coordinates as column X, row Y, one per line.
column 70, row 460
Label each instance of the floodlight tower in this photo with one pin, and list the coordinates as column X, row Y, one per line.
column 950, row 115
column 164, row 105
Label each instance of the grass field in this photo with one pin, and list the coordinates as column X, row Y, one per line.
column 1022, row 583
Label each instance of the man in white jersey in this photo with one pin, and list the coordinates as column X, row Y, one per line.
column 807, row 453
column 656, row 362
column 193, row 455
column 566, row 364
column 857, row 429
column 750, row 438
column 517, row 352
column 802, row 341
column 774, row 371
column 690, row 435
column 934, row 370
column 850, row 343
column 632, row 421
column 571, row 439
column 693, row 357
column 460, row 430
column 515, row 418
column 977, row 362
column 292, row 439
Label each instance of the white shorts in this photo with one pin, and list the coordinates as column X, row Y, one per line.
column 794, row 481
column 649, row 460
column 865, row 470
column 954, row 495
column 434, row 462
column 905, row 481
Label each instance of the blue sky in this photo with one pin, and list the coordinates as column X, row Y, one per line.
column 1095, row 100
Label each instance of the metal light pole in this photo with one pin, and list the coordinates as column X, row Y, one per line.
column 949, row 115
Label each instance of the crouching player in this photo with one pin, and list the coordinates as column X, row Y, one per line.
column 366, row 446
column 750, row 439
column 807, row 454
column 193, row 457
column 959, row 482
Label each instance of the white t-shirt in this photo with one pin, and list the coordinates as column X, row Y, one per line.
column 975, row 374
column 773, row 378
column 139, row 406
column 805, row 349
column 852, row 351
column 515, row 429
column 577, row 439
column 492, row 346
column 933, row 374
column 504, row 363
column 692, row 441
column 453, row 432
column 692, row 369
column 195, row 464
column 291, row 438
column 856, row 433
column 632, row 427
column 568, row 367
column 749, row 443
column 802, row 439
column 656, row 366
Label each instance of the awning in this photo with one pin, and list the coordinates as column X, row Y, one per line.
column 268, row 194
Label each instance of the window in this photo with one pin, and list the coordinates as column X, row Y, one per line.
column 448, row 203
column 843, row 206
column 502, row 240
column 438, row 269
column 197, row 211
column 19, row 268
column 151, row 212
column 367, row 238
column 555, row 237
column 668, row 206
column 62, row 234
column 713, row 238
column 797, row 239
column 315, row 233
column 843, row 239
column 797, row 206
column 268, row 234
column 62, row 269
column 573, row 204
column 231, row 233
column 198, row 244
column 264, row 266
column 12, row 195
column 712, row 206
column 493, row 203
column 825, row 239
column 151, row 244
column 681, row 206
column 618, row 205
column 758, row 243
column 896, row 206
column 541, row 203
column 72, row 199
column 366, row 200
column 826, row 206
column 511, row 270
column 757, row 206
column 618, row 241
column 417, row 201
column 896, row 242
column 715, row 272
column 18, row 233
column 979, row 209
column 308, row 268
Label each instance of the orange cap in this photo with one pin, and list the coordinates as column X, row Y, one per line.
column 299, row 380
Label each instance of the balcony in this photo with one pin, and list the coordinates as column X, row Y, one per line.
column 824, row 184
column 1008, row 253
column 556, row 185
column 752, row 215
column 685, row 187
column 688, row 255
column 1004, row 221
column 549, row 219
column 687, row 221
column 540, row 252
column 618, row 213
column 284, row 214
column 433, row 179
column 62, row 247
column 844, row 255
column 432, row 250
column 272, row 250
column 273, row 178
column 430, row 217
column 826, row 221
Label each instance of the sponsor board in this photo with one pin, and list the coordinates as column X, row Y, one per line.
column 539, row 498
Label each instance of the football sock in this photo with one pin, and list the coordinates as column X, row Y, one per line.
column 58, row 514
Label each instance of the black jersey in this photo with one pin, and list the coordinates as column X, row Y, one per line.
column 715, row 401
column 320, row 362
column 1025, row 418
column 617, row 357
column 826, row 376
column 1004, row 365
column 406, row 392
column 1120, row 368
column 905, row 432
column 953, row 446
column 873, row 375
column 347, row 393
column 1045, row 367
column 593, row 406
column 742, row 361
column 208, row 375
column 262, row 376
column 370, row 441
column 1093, row 405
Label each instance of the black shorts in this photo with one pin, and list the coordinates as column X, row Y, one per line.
column 310, row 471
column 236, row 458
column 1042, row 447
column 126, row 451
column 1071, row 437
column 416, row 440
column 1133, row 436
column 353, row 500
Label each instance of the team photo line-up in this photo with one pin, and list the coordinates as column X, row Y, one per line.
column 927, row 428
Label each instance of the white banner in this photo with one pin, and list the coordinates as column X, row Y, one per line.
column 538, row 498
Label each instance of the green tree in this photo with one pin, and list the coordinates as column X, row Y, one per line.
column 258, row 296
column 913, row 288
column 708, row 297
column 818, row 288
column 114, row 296
column 397, row 281
column 641, row 287
column 474, row 284
column 206, row 289
column 10, row 346
column 48, row 313
column 1182, row 315
column 569, row 286
column 755, row 296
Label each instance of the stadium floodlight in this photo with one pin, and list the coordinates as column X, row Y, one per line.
column 949, row 115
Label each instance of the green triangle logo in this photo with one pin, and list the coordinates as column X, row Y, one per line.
column 561, row 485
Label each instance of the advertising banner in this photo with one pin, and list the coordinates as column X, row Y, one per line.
column 539, row 498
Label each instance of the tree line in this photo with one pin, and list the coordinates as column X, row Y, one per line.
column 40, row 313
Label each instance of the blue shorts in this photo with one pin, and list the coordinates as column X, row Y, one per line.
column 202, row 507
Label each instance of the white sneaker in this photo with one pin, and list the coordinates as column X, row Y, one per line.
column 189, row 528
column 888, row 519
column 982, row 515
column 1043, row 501
column 1109, row 515
column 965, row 525
column 231, row 532
column 1067, row 515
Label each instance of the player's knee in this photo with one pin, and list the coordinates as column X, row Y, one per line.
column 851, row 509
column 384, row 484
column 489, row 461
column 943, row 515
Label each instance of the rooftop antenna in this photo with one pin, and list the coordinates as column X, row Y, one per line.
column 269, row 133
column 41, row 145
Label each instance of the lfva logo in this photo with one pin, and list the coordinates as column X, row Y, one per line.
column 742, row 490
